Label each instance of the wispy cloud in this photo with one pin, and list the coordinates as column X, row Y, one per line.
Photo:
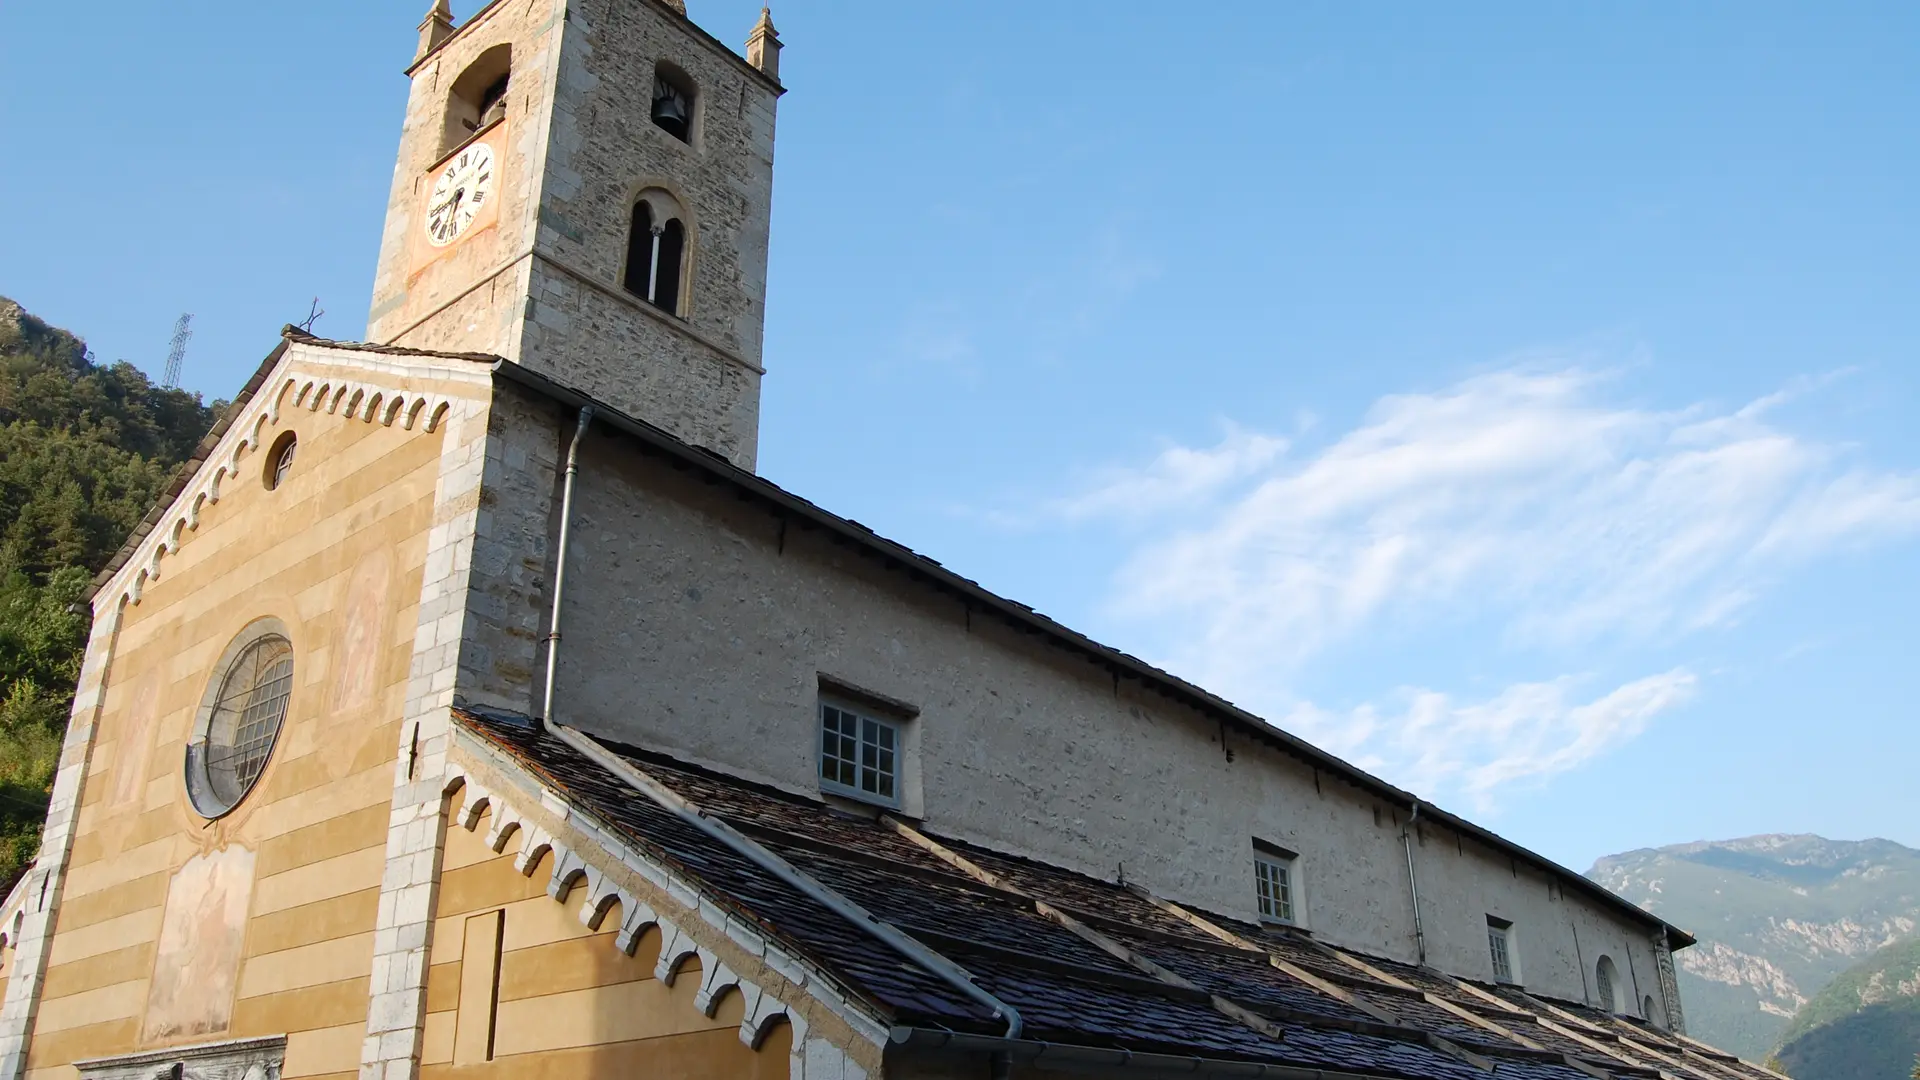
column 1177, row 477
column 1525, row 734
column 1527, row 498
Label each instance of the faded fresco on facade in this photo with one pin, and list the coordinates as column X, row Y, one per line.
column 200, row 940
column 357, row 650
column 134, row 756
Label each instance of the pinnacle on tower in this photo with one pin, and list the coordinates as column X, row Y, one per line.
column 763, row 46
column 435, row 28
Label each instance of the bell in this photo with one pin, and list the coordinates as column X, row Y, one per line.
column 669, row 108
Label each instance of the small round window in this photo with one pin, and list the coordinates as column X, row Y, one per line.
column 280, row 460
column 238, row 727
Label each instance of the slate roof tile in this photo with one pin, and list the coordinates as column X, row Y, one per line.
column 1067, row 989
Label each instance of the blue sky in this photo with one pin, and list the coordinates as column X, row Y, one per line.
column 1516, row 398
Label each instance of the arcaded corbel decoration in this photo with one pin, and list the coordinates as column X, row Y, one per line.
column 600, row 900
column 715, row 980
column 535, row 843
column 474, row 801
column 569, row 869
column 635, row 920
column 675, row 947
column 762, row 1012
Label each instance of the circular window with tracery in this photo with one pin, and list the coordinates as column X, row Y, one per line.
column 238, row 726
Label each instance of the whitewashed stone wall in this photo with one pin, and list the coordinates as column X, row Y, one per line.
column 699, row 624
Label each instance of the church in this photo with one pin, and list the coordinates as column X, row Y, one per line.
column 469, row 708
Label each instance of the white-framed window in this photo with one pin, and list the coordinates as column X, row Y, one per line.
column 1274, row 882
column 657, row 251
column 859, row 754
column 1500, row 948
column 240, row 718
column 280, row 460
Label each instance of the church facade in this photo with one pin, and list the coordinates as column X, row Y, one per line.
column 470, row 708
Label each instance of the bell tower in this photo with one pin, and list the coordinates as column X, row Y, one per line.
column 586, row 189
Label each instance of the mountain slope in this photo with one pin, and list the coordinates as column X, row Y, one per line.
column 1864, row 1026
column 1778, row 918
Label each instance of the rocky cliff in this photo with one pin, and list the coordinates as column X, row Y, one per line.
column 1778, row 918
column 1865, row 1025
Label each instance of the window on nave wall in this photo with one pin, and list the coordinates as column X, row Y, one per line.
column 657, row 252
column 1606, row 977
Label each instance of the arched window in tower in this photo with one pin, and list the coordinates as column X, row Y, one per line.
column 657, row 251
column 478, row 97
column 674, row 100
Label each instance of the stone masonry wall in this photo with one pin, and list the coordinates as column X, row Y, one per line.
column 537, row 279
column 697, row 376
column 414, row 281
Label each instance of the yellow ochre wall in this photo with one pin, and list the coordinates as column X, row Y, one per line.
column 336, row 555
column 559, row 999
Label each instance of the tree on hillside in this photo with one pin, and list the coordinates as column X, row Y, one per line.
column 85, row 449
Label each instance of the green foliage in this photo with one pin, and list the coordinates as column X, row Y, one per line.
column 1890, row 973
column 1864, row 1025
column 1876, row 1043
column 85, row 449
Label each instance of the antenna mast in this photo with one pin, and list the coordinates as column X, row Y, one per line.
column 181, row 332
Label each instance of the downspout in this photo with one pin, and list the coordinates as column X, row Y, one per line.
column 1413, row 882
column 941, row 967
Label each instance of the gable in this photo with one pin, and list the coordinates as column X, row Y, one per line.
column 174, row 924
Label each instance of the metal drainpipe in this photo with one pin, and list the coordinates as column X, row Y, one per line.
column 1413, row 884
column 939, row 966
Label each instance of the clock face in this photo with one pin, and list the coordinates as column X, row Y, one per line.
column 464, row 186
